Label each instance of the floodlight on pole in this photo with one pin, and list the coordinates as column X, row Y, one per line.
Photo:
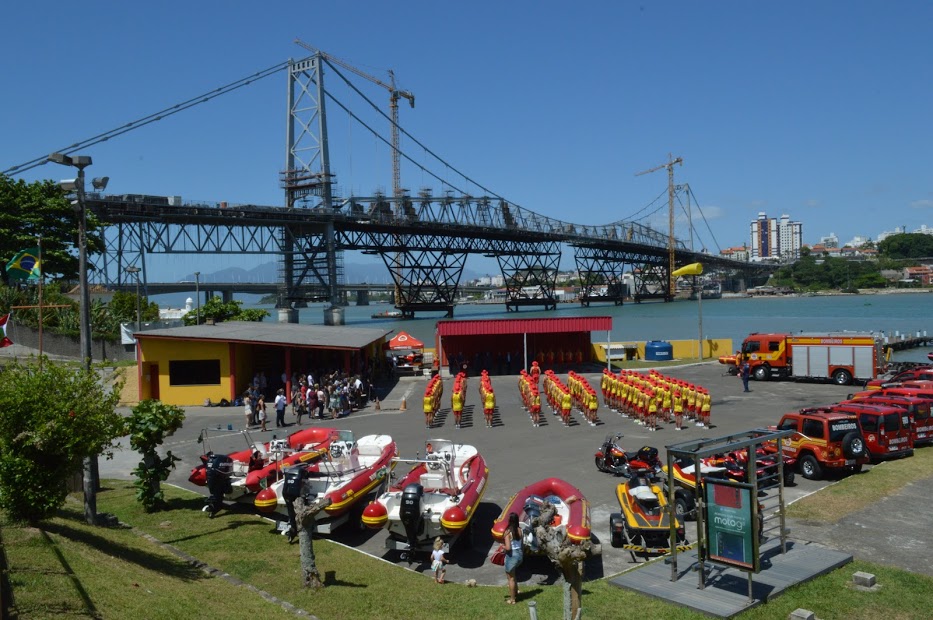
column 100, row 183
column 197, row 295
column 76, row 185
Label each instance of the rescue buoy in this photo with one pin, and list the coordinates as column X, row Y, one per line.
column 375, row 515
column 266, row 500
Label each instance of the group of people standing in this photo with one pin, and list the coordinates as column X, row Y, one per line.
column 655, row 398
column 333, row 395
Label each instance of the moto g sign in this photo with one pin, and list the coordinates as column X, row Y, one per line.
column 732, row 523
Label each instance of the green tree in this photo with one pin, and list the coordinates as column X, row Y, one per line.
column 148, row 426
column 218, row 310
column 30, row 211
column 122, row 307
column 907, row 245
column 52, row 417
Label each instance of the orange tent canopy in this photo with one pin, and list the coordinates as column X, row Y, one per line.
column 404, row 340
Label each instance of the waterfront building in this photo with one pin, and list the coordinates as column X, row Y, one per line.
column 776, row 239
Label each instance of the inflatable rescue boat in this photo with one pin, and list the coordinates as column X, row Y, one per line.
column 348, row 472
column 438, row 497
column 572, row 511
column 261, row 464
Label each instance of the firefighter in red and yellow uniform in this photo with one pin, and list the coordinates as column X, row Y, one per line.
column 592, row 404
column 535, row 406
column 428, row 409
column 677, row 402
column 691, row 401
column 625, row 403
column 488, row 398
column 705, row 407
column 535, row 372
column 666, row 401
column 566, row 403
column 651, row 421
column 458, row 398
column 612, row 396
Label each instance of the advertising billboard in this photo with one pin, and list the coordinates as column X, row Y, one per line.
column 731, row 524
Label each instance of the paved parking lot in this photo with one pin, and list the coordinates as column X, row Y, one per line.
column 518, row 454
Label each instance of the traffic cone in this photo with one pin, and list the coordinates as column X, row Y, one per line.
column 404, row 405
column 378, row 407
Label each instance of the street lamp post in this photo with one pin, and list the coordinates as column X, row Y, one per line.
column 197, row 294
column 76, row 185
column 135, row 272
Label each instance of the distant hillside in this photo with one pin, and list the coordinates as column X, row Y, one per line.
column 355, row 273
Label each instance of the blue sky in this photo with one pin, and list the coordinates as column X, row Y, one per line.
column 820, row 110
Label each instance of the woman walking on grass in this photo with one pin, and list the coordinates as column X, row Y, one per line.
column 513, row 555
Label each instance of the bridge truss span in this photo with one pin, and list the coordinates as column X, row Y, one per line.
column 423, row 242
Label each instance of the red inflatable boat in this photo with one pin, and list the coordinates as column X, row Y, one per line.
column 302, row 446
column 572, row 509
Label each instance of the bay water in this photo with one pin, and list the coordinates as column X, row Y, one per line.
column 734, row 318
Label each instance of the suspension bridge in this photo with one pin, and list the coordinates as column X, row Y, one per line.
column 423, row 239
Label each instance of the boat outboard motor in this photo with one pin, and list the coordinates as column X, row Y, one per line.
column 291, row 490
column 219, row 468
column 532, row 507
column 410, row 513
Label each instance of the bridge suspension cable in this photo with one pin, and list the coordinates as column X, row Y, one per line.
column 151, row 118
column 705, row 221
column 402, row 153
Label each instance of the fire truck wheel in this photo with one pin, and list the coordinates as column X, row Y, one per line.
column 842, row 377
column 810, row 468
column 762, row 373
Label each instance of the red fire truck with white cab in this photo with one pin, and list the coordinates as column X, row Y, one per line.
column 842, row 357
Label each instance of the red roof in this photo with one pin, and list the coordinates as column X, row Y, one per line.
column 490, row 327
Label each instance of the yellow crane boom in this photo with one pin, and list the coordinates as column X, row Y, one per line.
column 671, row 244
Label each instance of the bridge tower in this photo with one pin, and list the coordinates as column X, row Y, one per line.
column 671, row 240
column 311, row 263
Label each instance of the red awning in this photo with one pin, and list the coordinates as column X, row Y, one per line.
column 404, row 340
column 524, row 326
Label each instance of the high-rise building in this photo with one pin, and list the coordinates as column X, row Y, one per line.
column 776, row 239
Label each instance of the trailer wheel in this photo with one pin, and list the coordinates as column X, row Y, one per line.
column 684, row 507
column 810, row 467
column 842, row 377
column 762, row 373
column 617, row 536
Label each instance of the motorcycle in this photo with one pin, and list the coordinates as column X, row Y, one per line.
column 612, row 458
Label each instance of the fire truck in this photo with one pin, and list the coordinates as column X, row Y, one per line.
column 842, row 357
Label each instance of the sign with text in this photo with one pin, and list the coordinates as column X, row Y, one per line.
column 731, row 524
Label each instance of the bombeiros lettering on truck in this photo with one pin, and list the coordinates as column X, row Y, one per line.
column 842, row 357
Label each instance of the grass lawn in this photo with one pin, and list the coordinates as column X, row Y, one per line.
column 68, row 569
column 854, row 492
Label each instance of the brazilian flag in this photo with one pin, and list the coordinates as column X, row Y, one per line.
column 25, row 266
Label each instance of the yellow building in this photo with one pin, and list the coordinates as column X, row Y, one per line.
column 186, row 365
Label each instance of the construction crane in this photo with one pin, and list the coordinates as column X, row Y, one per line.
column 394, row 95
column 671, row 244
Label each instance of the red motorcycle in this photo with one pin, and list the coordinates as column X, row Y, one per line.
column 612, row 458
